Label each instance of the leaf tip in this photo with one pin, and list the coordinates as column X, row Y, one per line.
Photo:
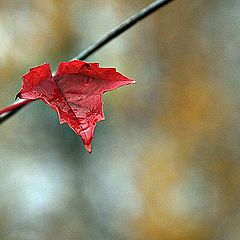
column 89, row 148
column 131, row 81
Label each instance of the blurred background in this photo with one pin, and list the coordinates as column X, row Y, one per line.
column 165, row 163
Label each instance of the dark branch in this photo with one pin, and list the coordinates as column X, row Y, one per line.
column 124, row 26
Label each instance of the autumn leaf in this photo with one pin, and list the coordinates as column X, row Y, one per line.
column 75, row 92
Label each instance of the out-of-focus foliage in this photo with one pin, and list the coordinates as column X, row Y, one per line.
column 166, row 161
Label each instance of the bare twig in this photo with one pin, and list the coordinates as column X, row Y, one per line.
column 124, row 26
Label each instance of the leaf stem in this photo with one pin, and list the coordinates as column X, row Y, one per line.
column 7, row 112
column 124, row 26
column 15, row 105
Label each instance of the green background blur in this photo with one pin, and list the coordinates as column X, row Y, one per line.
column 165, row 163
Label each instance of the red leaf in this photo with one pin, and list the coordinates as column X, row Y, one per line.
column 75, row 93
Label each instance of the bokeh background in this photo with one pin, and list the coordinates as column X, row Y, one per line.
column 165, row 163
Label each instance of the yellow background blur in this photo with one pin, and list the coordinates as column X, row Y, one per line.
column 165, row 163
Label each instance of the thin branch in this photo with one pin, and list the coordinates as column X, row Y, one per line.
column 124, row 26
